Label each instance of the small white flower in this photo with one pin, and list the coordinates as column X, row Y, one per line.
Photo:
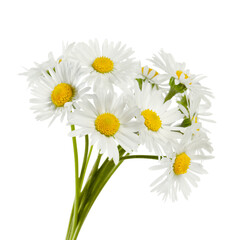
column 151, row 75
column 34, row 74
column 165, row 62
column 180, row 169
column 192, row 83
column 171, row 68
column 158, row 131
column 108, row 66
column 56, row 91
column 196, row 112
column 109, row 122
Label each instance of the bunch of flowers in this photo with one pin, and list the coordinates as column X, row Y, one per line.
column 118, row 105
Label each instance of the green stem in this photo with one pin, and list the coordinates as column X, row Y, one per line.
column 90, row 152
column 70, row 224
column 103, row 177
column 77, row 192
column 97, row 180
column 140, row 156
column 71, row 217
column 85, row 163
column 96, row 173
column 95, row 166
column 91, row 179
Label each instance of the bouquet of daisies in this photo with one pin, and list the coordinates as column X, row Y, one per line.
column 106, row 96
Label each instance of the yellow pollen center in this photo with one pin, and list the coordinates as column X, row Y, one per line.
column 60, row 60
column 181, row 164
column 107, row 124
column 179, row 73
column 103, row 64
column 61, row 94
column 150, row 69
column 152, row 120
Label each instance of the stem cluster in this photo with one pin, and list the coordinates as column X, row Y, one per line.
column 86, row 195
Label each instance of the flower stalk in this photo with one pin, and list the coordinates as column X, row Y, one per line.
column 77, row 183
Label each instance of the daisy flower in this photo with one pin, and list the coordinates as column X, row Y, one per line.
column 194, row 113
column 180, row 169
column 194, row 110
column 171, row 68
column 158, row 130
column 56, row 91
column 151, row 75
column 34, row 74
column 106, row 66
column 109, row 122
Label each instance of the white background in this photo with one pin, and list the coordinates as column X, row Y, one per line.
column 36, row 162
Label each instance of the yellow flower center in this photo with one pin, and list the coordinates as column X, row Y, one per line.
column 156, row 73
column 107, row 124
column 152, row 120
column 103, row 64
column 179, row 73
column 181, row 164
column 61, row 94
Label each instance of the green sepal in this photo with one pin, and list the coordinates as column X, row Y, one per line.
column 49, row 72
column 183, row 101
column 186, row 122
column 180, row 88
column 172, row 82
column 174, row 89
column 140, row 82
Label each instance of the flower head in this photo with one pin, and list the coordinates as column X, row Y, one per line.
column 36, row 73
column 194, row 114
column 109, row 122
column 157, row 131
column 180, row 169
column 170, row 68
column 57, row 90
column 106, row 66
